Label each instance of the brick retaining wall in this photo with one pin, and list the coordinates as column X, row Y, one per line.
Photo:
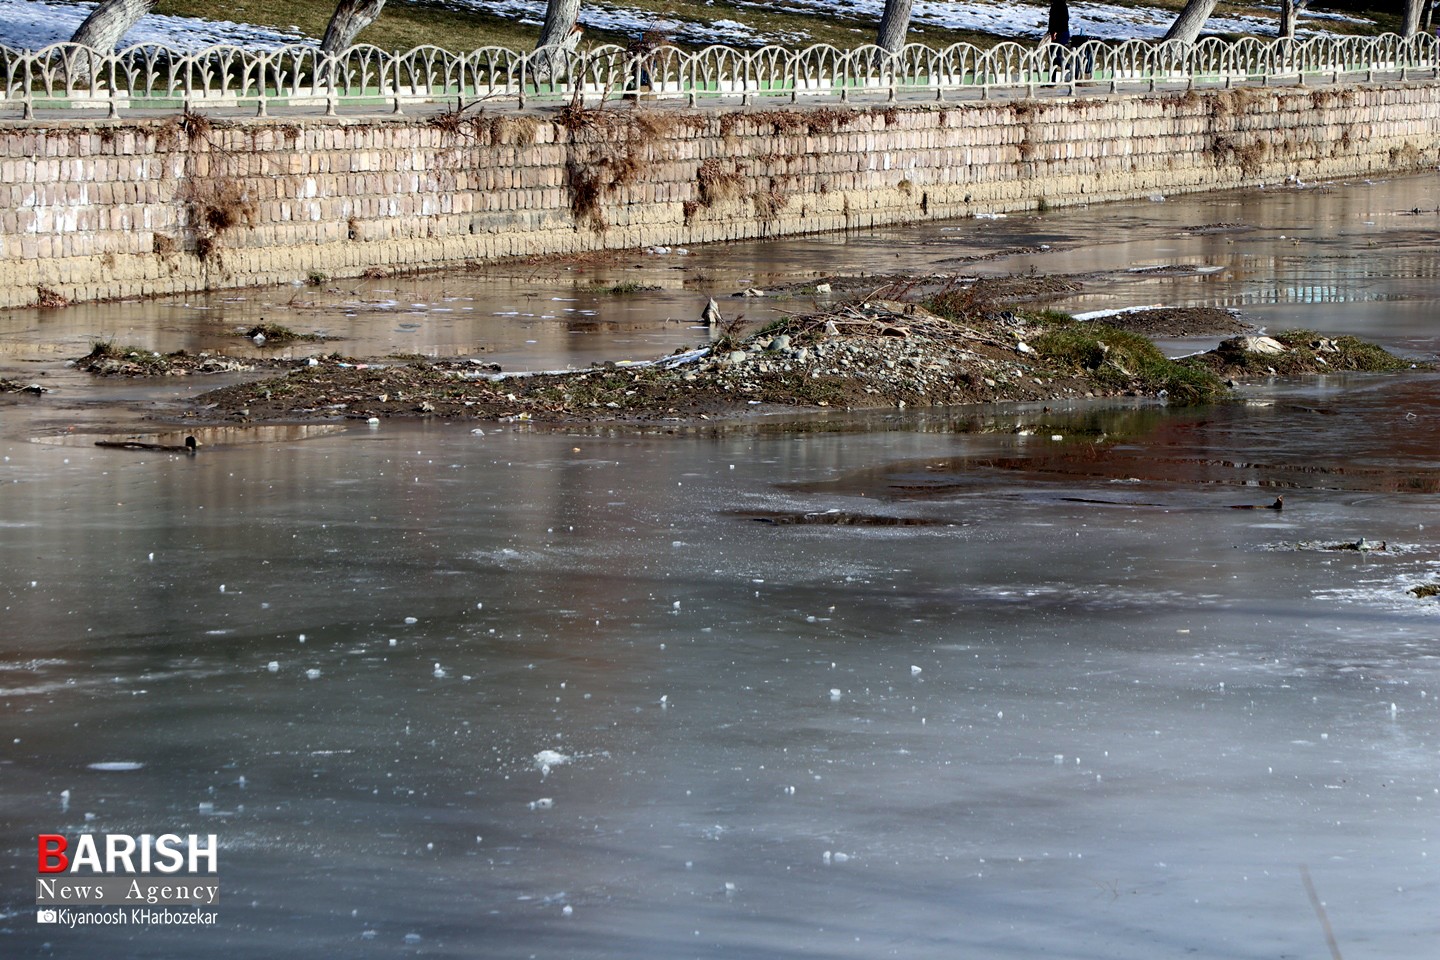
column 95, row 210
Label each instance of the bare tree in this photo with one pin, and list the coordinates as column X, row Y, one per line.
column 109, row 22
column 559, row 36
column 103, row 30
column 1289, row 11
column 560, row 17
column 894, row 24
column 1191, row 21
column 1414, row 13
column 350, row 17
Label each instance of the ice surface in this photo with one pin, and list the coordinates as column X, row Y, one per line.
column 1217, row 704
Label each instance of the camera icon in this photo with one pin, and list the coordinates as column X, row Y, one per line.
column 46, row 916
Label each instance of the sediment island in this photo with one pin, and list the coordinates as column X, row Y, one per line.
column 905, row 347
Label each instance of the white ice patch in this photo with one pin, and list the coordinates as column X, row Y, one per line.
column 546, row 759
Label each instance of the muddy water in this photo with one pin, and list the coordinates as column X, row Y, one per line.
column 995, row 684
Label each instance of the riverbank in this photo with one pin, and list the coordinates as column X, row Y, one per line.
column 150, row 207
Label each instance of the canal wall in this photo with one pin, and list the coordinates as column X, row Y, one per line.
column 112, row 209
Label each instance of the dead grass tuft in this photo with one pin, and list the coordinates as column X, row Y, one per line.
column 47, row 299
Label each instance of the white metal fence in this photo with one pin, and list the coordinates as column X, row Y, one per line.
column 65, row 76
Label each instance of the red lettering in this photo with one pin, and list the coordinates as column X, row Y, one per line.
column 52, row 853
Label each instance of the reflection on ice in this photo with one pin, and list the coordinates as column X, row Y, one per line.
column 205, row 436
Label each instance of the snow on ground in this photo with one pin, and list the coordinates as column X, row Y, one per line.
column 1100, row 20
column 599, row 16
column 31, row 24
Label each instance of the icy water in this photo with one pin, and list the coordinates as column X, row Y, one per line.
column 1002, row 683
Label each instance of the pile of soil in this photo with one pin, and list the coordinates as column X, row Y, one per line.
column 874, row 354
column 1178, row 321
column 995, row 292
column 275, row 335
column 1300, row 352
column 969, row 343
column 108, row 360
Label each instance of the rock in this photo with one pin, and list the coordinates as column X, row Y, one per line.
column 781, row 342
column 737, row 356
column 711, row 315
column 1024, row 347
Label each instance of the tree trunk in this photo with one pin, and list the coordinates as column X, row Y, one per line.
column 1058, row 26
column 1191, row 21
column 558, row 36
column 560, row 17
column 109, row 22
column 350, row 17
column 1288, row 10
column 1413, row 11
column 893, row 26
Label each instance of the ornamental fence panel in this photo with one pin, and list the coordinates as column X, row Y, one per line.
column 66, row 76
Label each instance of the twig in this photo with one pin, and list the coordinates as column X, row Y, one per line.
column 1320, row 912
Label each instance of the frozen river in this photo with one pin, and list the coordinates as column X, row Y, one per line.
column 1005, row 683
